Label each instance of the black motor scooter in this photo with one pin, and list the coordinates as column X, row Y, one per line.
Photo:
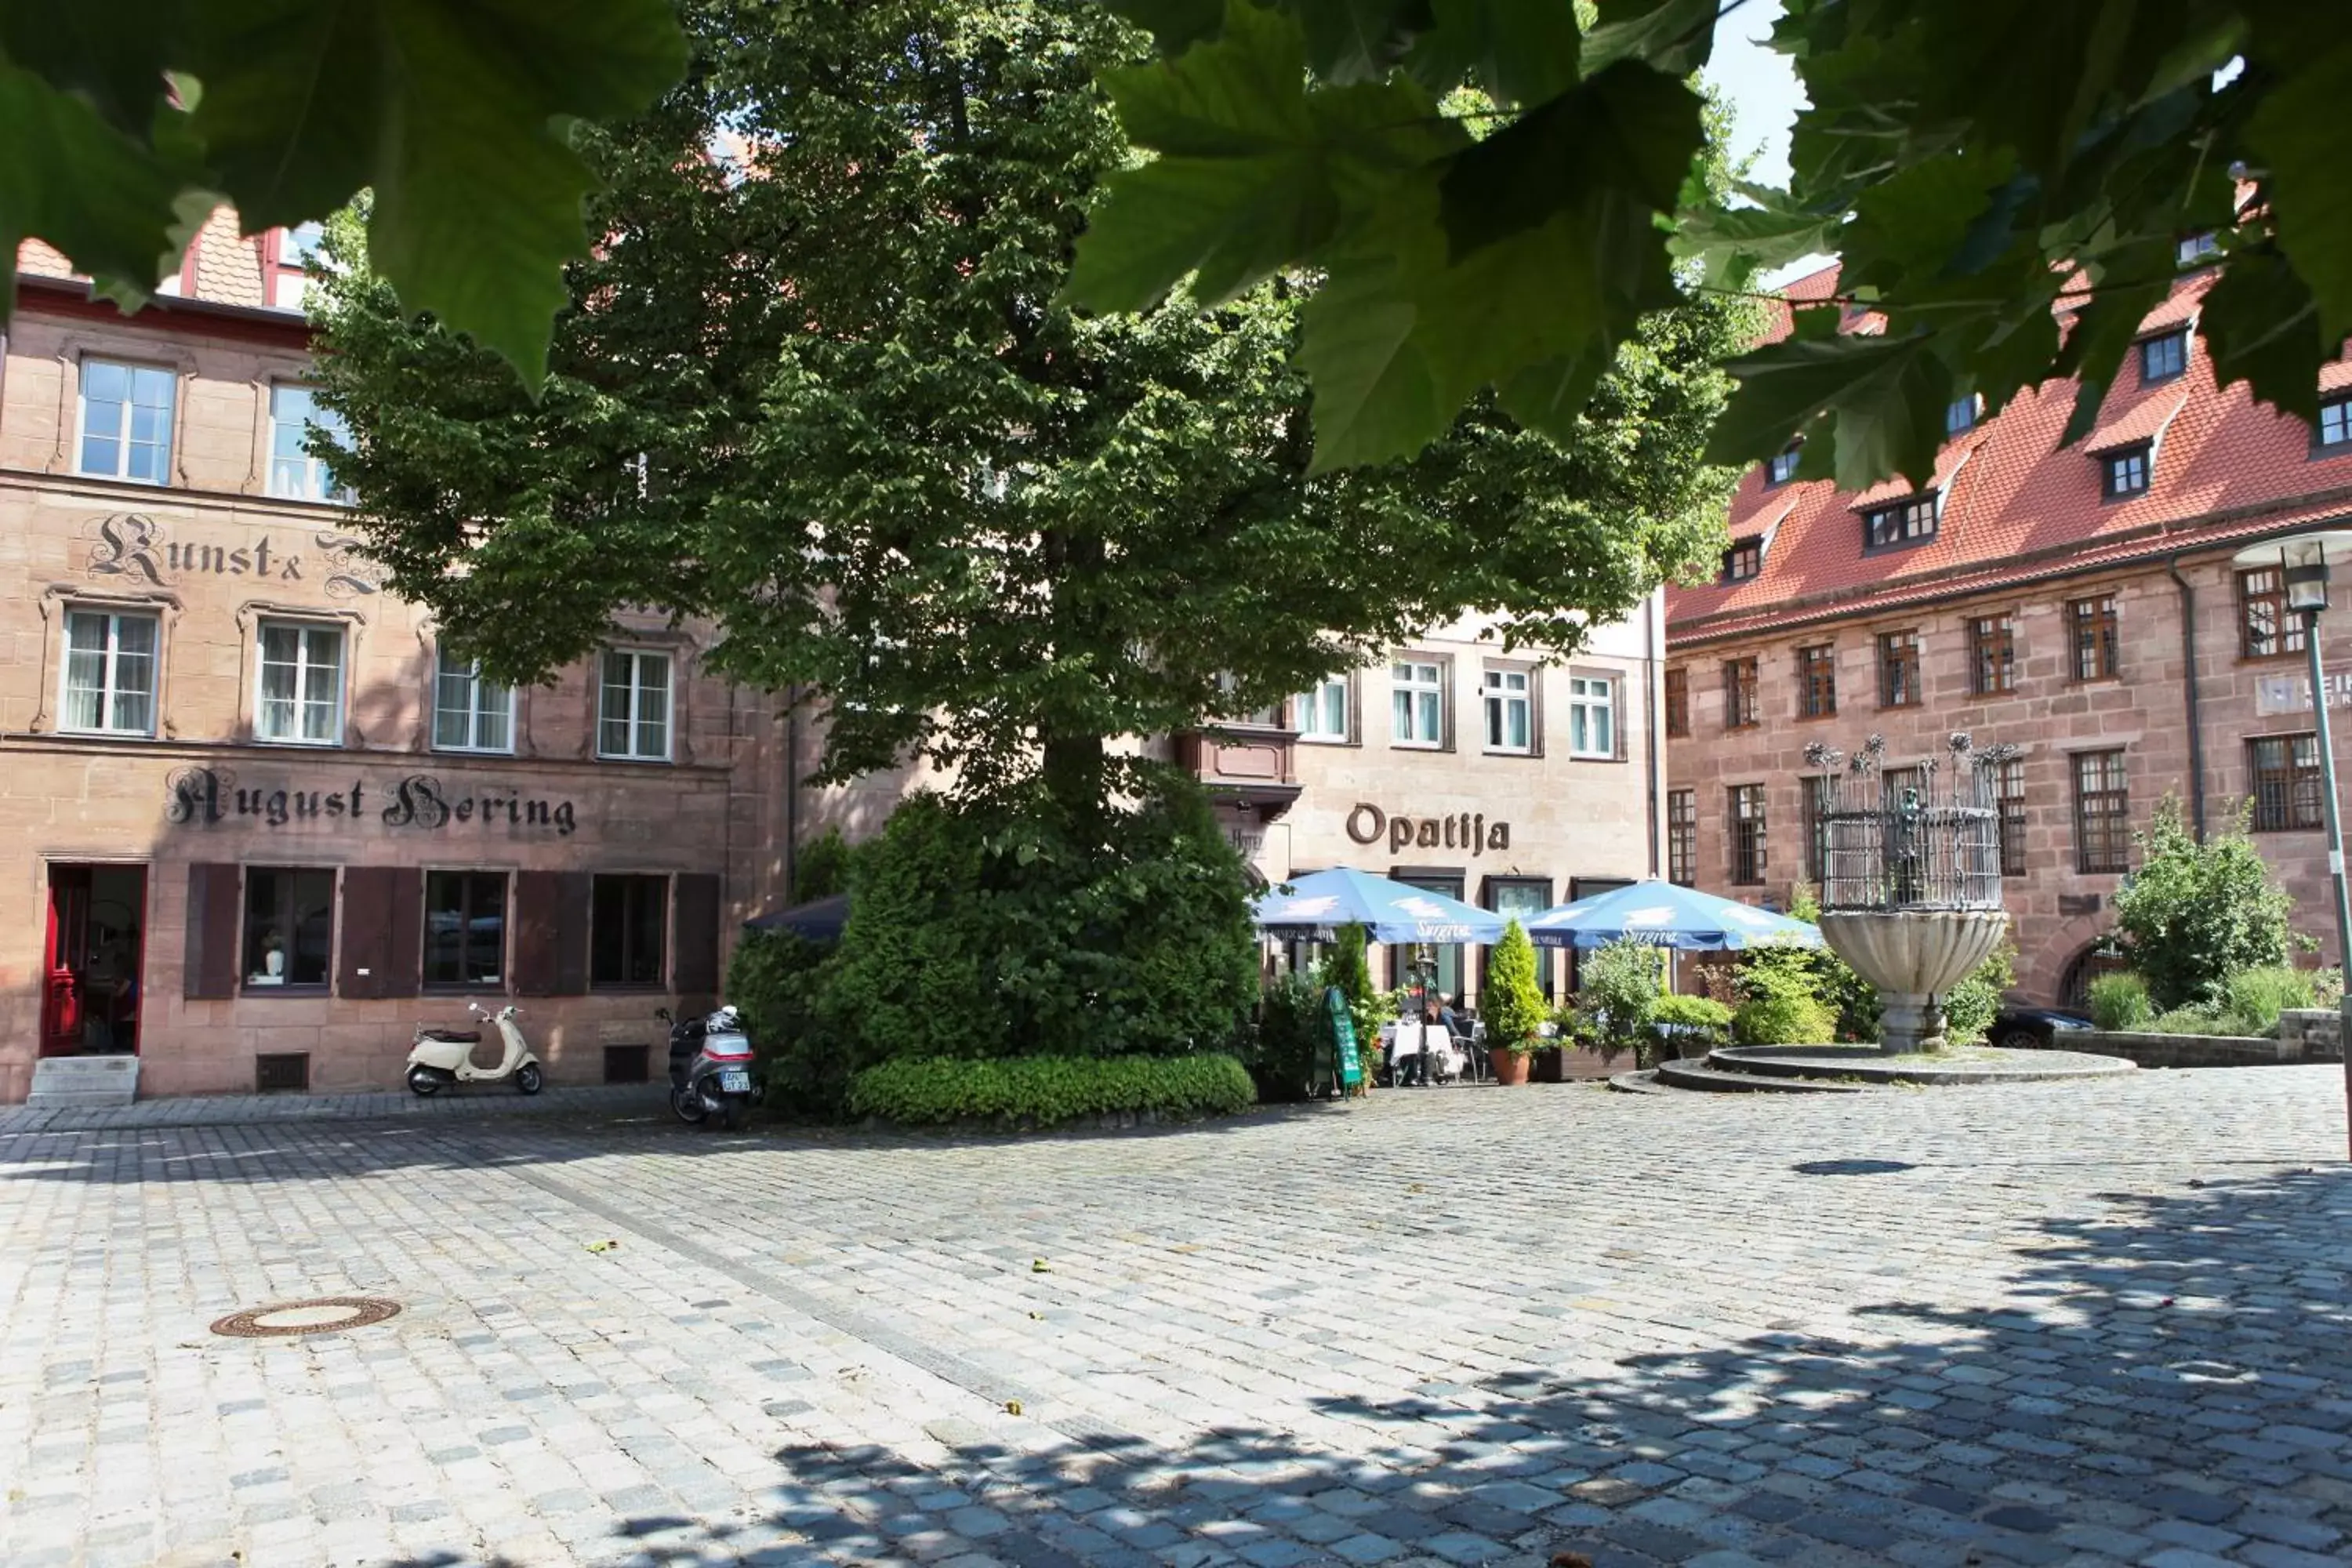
column 709, row 1067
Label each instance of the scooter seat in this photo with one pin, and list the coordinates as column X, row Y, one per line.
column 455, row 1036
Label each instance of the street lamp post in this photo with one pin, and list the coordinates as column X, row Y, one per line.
column 2303, row 564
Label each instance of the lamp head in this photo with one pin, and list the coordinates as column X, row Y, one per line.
column 2304, row 564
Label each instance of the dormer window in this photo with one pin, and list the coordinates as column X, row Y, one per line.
column 1905, row 522
column 1783, row 466
column 2336, row 424
column 2125, row 472
column 1743, row 561
column 2164, row 357
column 1961, row 415
column 2196, row 249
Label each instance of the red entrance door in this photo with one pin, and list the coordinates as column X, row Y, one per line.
column 91, row 962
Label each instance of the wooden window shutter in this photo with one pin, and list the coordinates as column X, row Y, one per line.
column 575, row 892
column 366, row 948
column 694, row 934
column 402, row 974
column 214, row 927
column 536, row 897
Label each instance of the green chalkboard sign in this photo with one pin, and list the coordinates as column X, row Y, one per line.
column 1343, row 1034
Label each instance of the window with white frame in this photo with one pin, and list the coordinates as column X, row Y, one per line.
column 302, row 695
column 109, row 673
column 632, row 706
column 293, row 472
column 126, row 421
column 1510, row 710
column 1418, row 692
column 290, row 283
column 1592, row 715
column 1322, row 710
column 469, row 713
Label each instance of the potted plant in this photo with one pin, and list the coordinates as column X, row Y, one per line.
column 1513, row 1007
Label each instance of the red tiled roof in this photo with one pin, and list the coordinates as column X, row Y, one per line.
column 2142, row 421
column 1955, row 452
column 2022, row 508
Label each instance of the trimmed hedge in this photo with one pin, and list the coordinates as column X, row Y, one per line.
column 1042, row 1092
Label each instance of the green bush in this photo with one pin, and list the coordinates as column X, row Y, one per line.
column 821, row 867
column 2119, row 1001
column 775, row 979
column 1620, row 985
column 1046, row 1091
column 2202, row 1018
column 2194, row 914
column 1974, row 1002
column 1349, row 970
column 1704, row 1015
column 987, row 929
column 1851, row 999
column 1778, row 1003
column 2259, row 995
column 1512, row 1005
column 1292, row 1040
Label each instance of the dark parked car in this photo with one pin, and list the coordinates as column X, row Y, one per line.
column 2035, row 1028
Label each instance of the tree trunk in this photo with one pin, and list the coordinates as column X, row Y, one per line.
column 1073, row 765
column 1073, row 771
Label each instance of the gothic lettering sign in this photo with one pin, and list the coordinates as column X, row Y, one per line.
column 138, row 548
column 203, row 797
column 1367, row 824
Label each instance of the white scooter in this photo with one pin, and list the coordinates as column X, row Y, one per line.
column 443, row 1057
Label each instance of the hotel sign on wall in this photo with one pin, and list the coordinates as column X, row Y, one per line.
column 2292, row 693
column 208, row 797
column 1367, row 824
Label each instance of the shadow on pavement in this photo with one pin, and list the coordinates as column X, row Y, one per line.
column 2169, row 1376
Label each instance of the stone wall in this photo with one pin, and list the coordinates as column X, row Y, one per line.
column 2190, row 1050
column 2317, row 1032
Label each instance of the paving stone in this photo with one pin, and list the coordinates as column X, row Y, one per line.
column 1231, row 1358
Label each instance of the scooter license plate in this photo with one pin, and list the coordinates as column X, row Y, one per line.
column 734, row 1081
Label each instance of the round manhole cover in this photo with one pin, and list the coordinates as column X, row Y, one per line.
column 327, row 1315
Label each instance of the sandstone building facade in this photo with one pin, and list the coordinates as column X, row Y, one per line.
column 253, row 822
column 2079, row 603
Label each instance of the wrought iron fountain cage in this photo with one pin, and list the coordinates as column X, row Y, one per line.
column 1921, row 838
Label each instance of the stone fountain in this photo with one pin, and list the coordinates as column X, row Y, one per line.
column 1911, row 878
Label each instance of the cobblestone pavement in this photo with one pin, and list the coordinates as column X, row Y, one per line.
column 2081, row 1324
column 242, row 1109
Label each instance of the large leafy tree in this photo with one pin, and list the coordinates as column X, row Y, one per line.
column 817, row 384
column 1982, row 167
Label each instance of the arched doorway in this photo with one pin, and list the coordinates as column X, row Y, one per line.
column 2097, row 958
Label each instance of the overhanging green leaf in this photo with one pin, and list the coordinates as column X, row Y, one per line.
column 2293, row 130
column 1520, row 51
column 2263, row 328
column 1628, row 130
column 1674, row 36
column 1234, row 220
column 78, row 183
column 1886, row 397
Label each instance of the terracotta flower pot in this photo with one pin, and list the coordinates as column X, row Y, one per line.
column 1509, row 1065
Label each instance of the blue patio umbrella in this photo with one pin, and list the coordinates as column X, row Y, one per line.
column 1313, row 906
column 1668, row 916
